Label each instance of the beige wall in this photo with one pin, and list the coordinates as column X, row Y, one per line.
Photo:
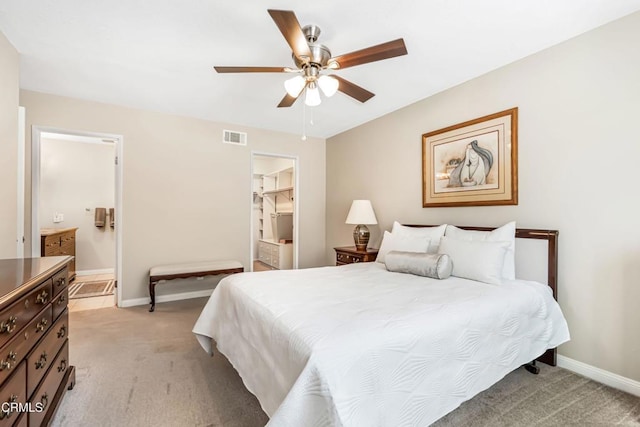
column 578, row 173
column 76, row 176
column 187, row 196
column 9, row 66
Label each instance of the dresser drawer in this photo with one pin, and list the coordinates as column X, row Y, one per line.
column 13, row 390
column 67, row 249
column 18, row 314
column 16, row 349
column 41, row 357
column 273, row 250
column 68, row 237
column 50, row 245
column 60, row 280
column 52, row 382
column 60, row 303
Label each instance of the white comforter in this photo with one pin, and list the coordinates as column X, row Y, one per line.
column 360, row 346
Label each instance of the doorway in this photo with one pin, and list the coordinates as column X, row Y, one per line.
column 76, row 200
column 274, row 212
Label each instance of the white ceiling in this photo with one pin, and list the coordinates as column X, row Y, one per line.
column 158, row 55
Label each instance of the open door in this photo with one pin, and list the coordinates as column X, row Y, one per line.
column 274, row 212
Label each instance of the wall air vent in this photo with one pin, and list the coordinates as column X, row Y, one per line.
column 233, row 137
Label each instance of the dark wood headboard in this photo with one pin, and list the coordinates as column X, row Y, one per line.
column 551, row 236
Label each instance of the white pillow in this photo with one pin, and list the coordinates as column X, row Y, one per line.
column 475, row 259
column 432, row 233
column 506, row 233
column 398, row 242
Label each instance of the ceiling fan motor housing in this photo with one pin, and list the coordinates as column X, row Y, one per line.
column 320, row 54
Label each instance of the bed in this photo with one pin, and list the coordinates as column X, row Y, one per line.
column 358, row 345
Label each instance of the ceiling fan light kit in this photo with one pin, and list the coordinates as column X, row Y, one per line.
column 329, row 85
column 312, row 58
column 295, row 85
column 313, row 95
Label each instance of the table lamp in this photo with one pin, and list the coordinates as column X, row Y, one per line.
column 361, row 213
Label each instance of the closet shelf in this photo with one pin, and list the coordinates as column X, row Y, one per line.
column 279, row 190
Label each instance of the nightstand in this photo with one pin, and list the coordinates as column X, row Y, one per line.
column 350, row 255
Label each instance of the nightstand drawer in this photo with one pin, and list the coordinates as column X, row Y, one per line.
column 348, row 259
column 350, row 255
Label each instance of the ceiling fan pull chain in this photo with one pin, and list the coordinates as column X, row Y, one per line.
column 304, row 122
column 311, row 116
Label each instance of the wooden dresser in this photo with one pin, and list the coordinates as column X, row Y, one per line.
column 34, row 346
column 57, row 242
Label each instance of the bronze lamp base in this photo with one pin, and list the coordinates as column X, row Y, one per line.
column 361, row 237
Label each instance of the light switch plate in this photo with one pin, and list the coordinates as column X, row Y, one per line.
column 58, row 217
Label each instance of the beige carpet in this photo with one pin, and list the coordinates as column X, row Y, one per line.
column 136, row 368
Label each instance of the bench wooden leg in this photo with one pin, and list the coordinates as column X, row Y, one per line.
column 152, row 295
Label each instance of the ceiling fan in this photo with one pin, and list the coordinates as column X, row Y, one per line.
column 312, row 58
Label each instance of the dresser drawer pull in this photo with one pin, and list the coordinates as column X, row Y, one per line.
column 42, row 362
column 61, row 281
column 42, row 325
column 61, row 300
column 6, row 413
column 42, row 298
column 63, row 365
column 9, row 325
column 44, row 400
column 62, row 332
column 8, row 362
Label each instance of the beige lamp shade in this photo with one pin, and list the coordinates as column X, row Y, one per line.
column 361, row 212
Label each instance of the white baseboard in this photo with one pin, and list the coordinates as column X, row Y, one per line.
column 166, row 298
column 600, row 375
column 92, row 272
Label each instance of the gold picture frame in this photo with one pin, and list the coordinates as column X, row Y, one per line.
column 474, row 163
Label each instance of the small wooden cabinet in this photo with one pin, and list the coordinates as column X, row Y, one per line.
column 59, row 242
column 350, row 255
column 34, row 346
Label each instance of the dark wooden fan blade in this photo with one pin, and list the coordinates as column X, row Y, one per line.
column 371, row 54
column 290, row 28
column 353, row 90
column 250, row 69
column 288, row 100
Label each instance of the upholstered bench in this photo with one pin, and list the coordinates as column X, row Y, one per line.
column 186, row 270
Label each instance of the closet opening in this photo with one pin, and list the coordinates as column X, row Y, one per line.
column 274, row 212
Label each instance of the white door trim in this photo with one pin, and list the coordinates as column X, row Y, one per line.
column 296, row 204
column 21, row 155
column 36, row 136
